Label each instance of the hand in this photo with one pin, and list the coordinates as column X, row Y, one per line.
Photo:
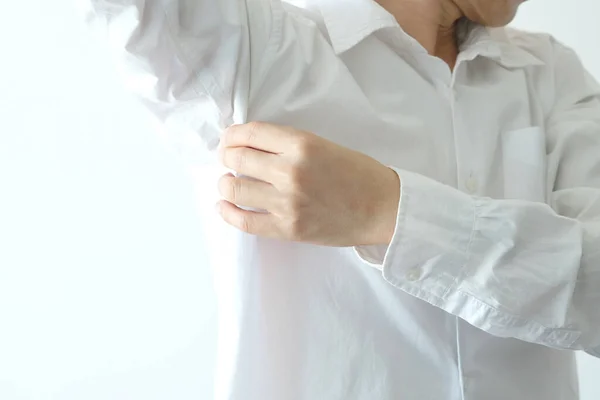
column 313, row 190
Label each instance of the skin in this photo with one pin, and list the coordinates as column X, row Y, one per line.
column 432, row 22
column 315, row 191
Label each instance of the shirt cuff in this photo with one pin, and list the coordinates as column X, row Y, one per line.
column 438, row 232
column 434, row 228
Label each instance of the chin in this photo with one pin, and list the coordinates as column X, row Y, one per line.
column 497, row 21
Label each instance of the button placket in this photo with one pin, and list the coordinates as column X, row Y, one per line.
column 467, row 179
column 471, row 184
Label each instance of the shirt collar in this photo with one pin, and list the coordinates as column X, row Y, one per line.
column 349, row 22
column 495, row 44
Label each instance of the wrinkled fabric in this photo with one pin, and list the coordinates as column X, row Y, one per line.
column 492, row 278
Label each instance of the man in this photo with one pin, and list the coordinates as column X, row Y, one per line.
column 416, row 197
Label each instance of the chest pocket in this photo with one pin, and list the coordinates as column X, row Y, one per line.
column 524, row 158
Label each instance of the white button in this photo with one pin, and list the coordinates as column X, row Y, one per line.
column 471, row 185
column 413, row 275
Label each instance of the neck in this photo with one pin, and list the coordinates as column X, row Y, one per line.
column 431, row 22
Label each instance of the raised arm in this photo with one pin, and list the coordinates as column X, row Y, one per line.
column 187, row 60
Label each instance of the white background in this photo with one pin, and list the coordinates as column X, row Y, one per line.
column 102, row 290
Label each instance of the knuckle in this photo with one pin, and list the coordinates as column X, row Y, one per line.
column 226, row 157
column 230, row 188
column 223, row 182
column 237, row 158
column 253, row 129
column 254, row 126
column 243, row 224
column 303, row 146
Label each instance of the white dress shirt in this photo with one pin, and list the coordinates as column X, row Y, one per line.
column 493, row 275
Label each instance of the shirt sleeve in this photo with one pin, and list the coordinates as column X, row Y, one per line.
column 515, row 269
column 187, row 60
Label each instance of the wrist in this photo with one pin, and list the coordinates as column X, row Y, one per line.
column 385, row 206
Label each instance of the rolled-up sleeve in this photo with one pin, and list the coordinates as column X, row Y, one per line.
column 187, row 60
column 513, row 268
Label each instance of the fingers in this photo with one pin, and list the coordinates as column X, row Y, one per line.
column 250, row 162
column 247, row 221
column 259, row 135
column 246, row 192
